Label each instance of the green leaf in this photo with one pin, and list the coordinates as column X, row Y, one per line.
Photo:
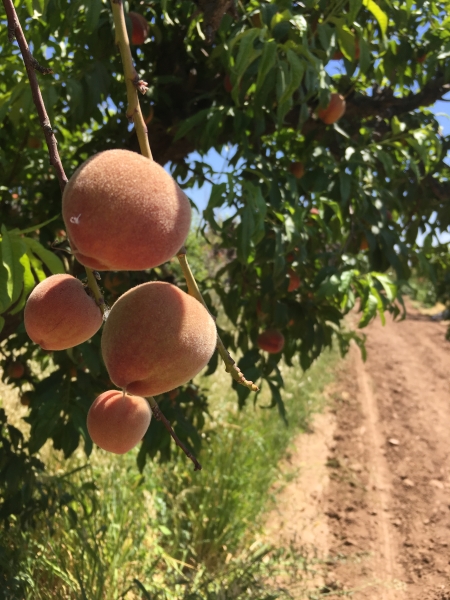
column 50, row 260
column 36, row 266
column 246, row 55
column 190, row 123
column 379, row 14
column 268, row 59
column 365, row 56
column 93, row 9
column 297, row 69
column 370, row 310
column 245, row 232
column 389, row 286
column 12, row 251
column 2, row 322
column 347, row 42
column 28, row 283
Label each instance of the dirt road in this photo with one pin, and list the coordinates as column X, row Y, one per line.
column 379, row 508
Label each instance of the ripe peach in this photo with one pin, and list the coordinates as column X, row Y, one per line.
column 34, row 143
column 117, row 421
column 271, row 340
column 364, row 245
column 139, row 28
column 15, row 370
column 294, row 280
column 59, row 314
column 259, row 311
column 334, row 111
column 227, row 84
column 156, row 338
column 297, row 169
column 25, row 399
column 124, row 212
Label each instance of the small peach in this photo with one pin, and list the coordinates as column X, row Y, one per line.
column 117, row 421
column 334, row 111
column 271, row 341
column 59, row 314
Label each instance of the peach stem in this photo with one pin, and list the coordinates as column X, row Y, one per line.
column 132, row 80
column 230, row 364
column 160, row 417
column 134, row 113
column 92, row 283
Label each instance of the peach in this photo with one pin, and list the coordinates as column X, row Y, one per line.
column 364, row 245
column 25, row 399
column 139, row 28
column 124, row 212
column 117, row 421
column 156, row 338
column 59, row 314
column 271, row 341
column 15, row 370
column 297, row 169
column 334, row 111
column 294, row 280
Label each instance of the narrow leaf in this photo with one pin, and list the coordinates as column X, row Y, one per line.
column 50, row 260
column 379, row 14
column 268, row 58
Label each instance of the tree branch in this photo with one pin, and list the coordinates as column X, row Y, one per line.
column 359, row 106
column 15, row 30
column 160, row 417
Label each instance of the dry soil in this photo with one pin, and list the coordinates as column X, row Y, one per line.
column 372, row 495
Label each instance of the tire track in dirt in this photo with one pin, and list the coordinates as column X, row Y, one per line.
column 378, row 485
column 400, row 421
column 384, row 508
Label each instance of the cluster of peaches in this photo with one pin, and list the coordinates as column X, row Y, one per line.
column 123, row 211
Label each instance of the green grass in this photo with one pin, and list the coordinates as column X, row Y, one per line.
column 172, row 533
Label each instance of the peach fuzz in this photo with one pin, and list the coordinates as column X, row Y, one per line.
column 59, row 314
column 156, row 338
column 271, row 341
column 124, row 212
column 117, row 421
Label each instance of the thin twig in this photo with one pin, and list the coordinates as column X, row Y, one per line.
column 230, row 364
column 15, row 30
column 160, row 417
column 98, row 296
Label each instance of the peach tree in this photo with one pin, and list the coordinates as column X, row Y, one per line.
column 310, row 214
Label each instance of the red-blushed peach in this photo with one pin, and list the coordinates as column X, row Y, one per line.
column 139, row 28
column 15, row 370
column 294, row 281
column 59, row 314
column 156, row 338
column 117, row 421
column 25, row 398
column 334, row 111
column 271, row 341
column 297, row 169
column 124, row 212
